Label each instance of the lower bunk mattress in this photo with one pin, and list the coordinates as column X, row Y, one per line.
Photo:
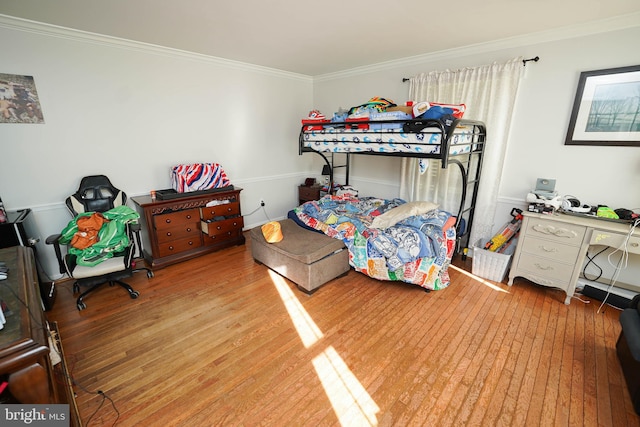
column 387, row 239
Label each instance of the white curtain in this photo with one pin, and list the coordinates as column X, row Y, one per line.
column 489, row 93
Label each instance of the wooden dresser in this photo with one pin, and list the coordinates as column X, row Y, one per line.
column 25, row 356
column 178, row 229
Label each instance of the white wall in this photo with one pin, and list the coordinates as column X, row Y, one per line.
column 132, row 111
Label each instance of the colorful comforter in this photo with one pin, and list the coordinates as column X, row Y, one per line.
column 416, row 250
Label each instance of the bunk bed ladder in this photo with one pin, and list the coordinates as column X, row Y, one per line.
column 470, row 172
column 346, row 165
column 330, row 166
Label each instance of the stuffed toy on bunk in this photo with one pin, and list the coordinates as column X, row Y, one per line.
column 436, row 110
column 375, row 104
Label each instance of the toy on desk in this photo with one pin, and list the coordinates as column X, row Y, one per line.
column 509, row 230
column 553, row 203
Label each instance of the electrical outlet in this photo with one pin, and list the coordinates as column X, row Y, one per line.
column 261, row 202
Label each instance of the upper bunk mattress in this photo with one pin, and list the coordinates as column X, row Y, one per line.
column 427, row 141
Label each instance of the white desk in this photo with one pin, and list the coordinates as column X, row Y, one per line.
column 552, row 248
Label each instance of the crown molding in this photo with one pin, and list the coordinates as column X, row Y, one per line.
column 49, row 30
column 585, row 29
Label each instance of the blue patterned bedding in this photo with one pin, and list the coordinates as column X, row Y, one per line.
column 416, row 250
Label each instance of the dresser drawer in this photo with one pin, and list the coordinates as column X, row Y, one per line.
column 177, row 232
column 616, row 240
column 178, row 246
column 227, row 209
column 553, row 270
column 309, row 193
column 226, row 227
column 570, row 234
column 548, row 248
column 172, row 219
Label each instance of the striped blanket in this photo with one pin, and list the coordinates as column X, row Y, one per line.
column 198, row 176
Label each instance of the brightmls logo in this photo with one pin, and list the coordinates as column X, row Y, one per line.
column 36, row 415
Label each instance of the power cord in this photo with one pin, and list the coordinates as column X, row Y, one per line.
column 591, row 260
column 257, row 209
column 621, row 264
column 69, row 377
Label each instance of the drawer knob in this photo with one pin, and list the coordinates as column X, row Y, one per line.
column 189, row 229
column 545, row 267
column 550, row 229
column 635, row 245
column 170, row 248
column 168, row 221
column 219, row 228
column 190, row 243
column 546, row 249
column 188, row 216
column 168, row 233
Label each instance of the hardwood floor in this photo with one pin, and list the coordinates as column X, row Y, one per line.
column 221, row 340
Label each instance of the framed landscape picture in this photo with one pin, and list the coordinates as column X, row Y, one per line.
column 606, row 110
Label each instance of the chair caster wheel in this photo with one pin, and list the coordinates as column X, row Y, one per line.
column 149, row 274
column 134, row 294
column 81, row 305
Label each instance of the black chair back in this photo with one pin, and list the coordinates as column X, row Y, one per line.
column 95, row 194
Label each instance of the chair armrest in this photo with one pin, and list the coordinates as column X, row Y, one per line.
column 54, row 240
column 134, row 229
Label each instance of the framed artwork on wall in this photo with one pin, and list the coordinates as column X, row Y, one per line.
column 19, row 102
column 606, row 109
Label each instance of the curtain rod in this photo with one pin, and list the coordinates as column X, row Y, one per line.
column 524, row 64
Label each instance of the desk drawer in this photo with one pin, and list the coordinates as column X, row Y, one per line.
column 555, row 271
column 178, row 246
column 616, row 240
column 172, row 219
column 177, row 232
column 227, row 209
column 570, row 234
column 548, row 248
column 226, row 227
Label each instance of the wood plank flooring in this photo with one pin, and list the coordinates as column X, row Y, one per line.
column 221, row 340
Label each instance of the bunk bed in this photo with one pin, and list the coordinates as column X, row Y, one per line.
column 435, row 235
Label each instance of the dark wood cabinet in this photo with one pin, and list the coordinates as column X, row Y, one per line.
column 25, row 353
column 308, row 192
column 188, row 226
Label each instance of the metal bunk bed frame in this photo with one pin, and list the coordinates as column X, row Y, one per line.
column 469, row 170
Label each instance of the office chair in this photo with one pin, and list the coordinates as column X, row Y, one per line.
column 97, row 194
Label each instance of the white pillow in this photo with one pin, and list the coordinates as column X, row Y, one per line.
column 397, row 214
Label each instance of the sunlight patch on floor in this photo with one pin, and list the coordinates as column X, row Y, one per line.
column 350, row 401
column 304, row 324
column 479, row 279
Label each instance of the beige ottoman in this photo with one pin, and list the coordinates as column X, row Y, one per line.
column 307, row 258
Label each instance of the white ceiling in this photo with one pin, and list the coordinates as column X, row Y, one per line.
column 317, row 38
